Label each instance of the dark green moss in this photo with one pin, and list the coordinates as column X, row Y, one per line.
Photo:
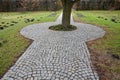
column 0, row 44
column 1, row 28
column 62, row 28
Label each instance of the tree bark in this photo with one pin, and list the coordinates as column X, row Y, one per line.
column 67, row 6
column 66, row 14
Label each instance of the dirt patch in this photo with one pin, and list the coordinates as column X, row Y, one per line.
column 80, row 15
column 105, row 65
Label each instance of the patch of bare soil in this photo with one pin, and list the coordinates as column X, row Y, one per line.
column 107, row 67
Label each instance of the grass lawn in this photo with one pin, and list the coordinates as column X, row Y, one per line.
column 109, row 45
column 12, row 44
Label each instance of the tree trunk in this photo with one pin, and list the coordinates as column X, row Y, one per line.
column 66, row 15
column 67, row 6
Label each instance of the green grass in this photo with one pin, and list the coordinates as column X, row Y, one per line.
column 12, row 44
column 111, row 42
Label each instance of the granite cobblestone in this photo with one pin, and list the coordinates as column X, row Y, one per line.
column 56, row 55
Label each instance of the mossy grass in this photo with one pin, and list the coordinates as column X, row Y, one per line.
column 12, row 44
column 62, row 28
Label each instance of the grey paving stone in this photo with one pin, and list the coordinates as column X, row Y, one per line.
column 56, row 55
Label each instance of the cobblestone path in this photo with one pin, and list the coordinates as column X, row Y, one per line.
column 56, row 55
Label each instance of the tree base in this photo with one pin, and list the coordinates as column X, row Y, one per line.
column 62, row 28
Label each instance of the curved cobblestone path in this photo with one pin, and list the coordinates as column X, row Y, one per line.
column 56, row 55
